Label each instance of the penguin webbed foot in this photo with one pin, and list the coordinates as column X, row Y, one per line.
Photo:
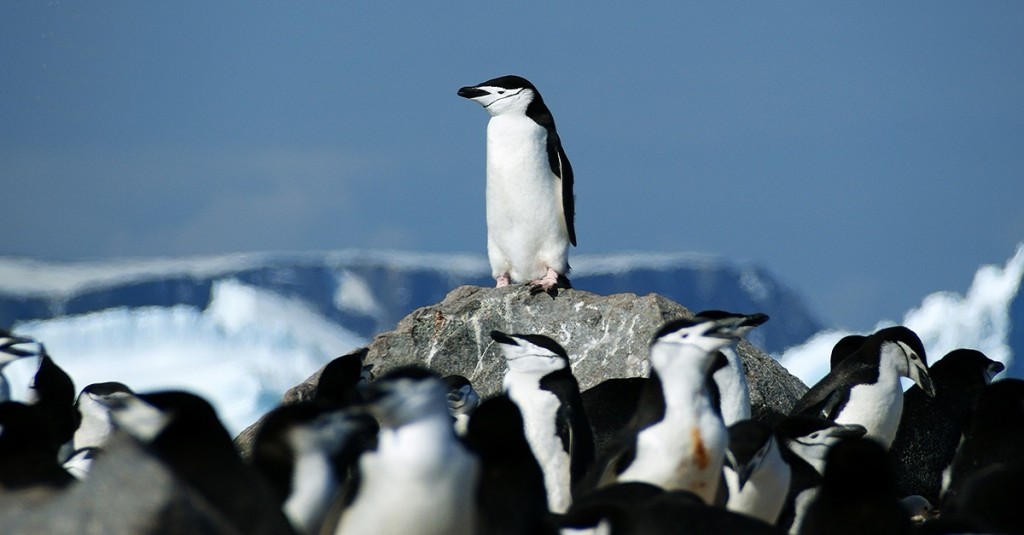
column 502, row 280
column 549, row 283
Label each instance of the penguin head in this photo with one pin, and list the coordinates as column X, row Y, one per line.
column 845, row 347
column 406, row 395
column 505, row 94
column 906, row 352
column 749, row 444
column 138, row 418
column 462, row 399
column 811, row 437
column 744, row 322
column 708, row 334
column 531, row 354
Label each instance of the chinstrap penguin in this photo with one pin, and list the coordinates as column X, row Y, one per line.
column 539, row 380
column 734, row 394
column 756, row 473
column 931, row 427
column 420, row 479
column 530, row 203
column 864, row 388
column 462, row 401
column 677, row 439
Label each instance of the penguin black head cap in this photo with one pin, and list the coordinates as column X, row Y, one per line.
column 538, row 340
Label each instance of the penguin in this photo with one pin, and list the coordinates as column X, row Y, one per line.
column 857, row 494
column 931, row 427
column 12, row 348
column 27, row 457
column 340, row 380
column 731, row 380
column 511, row 496
column 995, row 436
column 530, row 202
column 864, row 388
column 420, row 479
column 462, row 401
column 93, row 404
column 637, row 508
column 183, row 431
column 539, row 380
column 677, row 438
column 756, row 473
column 805, row 442
column 95, row 427
column 306, row 452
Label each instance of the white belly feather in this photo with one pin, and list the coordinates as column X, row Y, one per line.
column 526, row 230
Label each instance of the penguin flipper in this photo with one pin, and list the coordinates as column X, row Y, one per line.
column 562, row 169
column 825, row 396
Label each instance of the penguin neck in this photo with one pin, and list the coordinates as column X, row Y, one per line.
column 427, row 438
column 313, row 486
column 682, row 372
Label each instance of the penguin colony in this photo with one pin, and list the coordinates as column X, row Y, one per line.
column 411, row 452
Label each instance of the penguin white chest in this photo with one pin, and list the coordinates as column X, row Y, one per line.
column 526, row 228
column 877, row 406
column 540, row 411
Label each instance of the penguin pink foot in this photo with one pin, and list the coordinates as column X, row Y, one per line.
column 549, row 282
column 502, row 280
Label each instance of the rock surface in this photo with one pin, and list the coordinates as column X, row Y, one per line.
column 605, row 336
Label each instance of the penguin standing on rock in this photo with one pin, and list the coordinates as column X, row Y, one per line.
column 539, row 380
column 530, row 204
column 864, row 387
column 677, row 439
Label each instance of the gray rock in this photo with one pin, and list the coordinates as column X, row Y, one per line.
column 605, row 336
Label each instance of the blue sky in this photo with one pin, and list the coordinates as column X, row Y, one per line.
column 866, row 153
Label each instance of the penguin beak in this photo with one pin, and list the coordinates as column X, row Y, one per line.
column 744, row 475
column 849, row 431
column 992, row 370
column 471, row 92
column 12, row 341
column 754, row 320
column 924, row 381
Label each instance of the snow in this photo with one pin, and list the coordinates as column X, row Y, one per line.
column 945, row 321
column 241, row 352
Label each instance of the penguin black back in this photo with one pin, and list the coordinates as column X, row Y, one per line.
column 27, row 458
column 930, row 428
column 511, row 495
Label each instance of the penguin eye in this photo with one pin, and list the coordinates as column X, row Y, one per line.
column 814, row 435
column 913, row 356
column 501, row 91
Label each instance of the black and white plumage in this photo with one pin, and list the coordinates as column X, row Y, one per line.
column 731, row 379
column 864, row 388
column 756, row 473
column 96, row 426
column 857, row 495
column 931, row 427
column 420, row 478
column 677, row 439
column 183, row 431
column 305, row 451
column 511, row 496
column 530, row 203
column 462, row 401
column 806, row 441
column 539, row 380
